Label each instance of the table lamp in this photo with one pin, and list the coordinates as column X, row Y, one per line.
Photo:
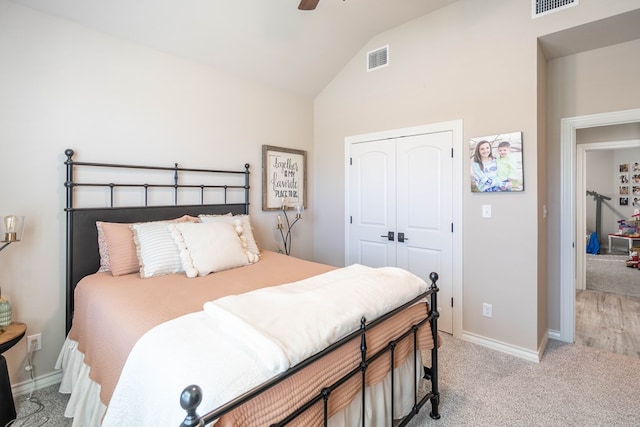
column 13, row 228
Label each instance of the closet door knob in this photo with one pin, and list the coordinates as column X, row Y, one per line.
column 389, row 236
column 401, row 237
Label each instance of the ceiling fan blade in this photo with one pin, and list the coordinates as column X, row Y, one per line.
column 308, row 4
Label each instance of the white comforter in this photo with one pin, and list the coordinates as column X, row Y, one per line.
column 240, row 341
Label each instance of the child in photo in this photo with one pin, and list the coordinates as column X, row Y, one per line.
column 507, row 169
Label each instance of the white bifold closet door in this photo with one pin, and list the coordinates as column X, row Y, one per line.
column 400, row 208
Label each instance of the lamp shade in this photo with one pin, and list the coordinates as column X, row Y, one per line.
column 13, row 226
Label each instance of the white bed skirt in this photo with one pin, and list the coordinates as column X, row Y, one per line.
column 84, row 405
column 87, row 410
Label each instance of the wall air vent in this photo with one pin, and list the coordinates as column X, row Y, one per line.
column 378, row 58
column 545, row 7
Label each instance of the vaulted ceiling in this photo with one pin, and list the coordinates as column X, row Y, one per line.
column 270, row 41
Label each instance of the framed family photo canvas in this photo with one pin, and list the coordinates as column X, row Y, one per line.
column 284, row 178
column 496, row 163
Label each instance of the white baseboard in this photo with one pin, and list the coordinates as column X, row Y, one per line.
column 554, row 335
column 38, row 383
column 522, row 353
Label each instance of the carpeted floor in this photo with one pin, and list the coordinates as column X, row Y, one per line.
column 573, row 386
column 609, row 273
column 42, row 408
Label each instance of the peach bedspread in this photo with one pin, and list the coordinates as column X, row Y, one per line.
column 113, row 312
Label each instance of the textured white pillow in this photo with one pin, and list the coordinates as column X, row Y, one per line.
column 157, row 252
column 209, row 247
column 251, row 244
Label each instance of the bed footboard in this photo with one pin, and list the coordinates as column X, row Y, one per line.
column 191, row 396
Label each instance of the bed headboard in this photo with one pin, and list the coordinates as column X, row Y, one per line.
column 82, row 256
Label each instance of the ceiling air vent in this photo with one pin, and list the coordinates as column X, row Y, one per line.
column 378, row 58
column 544, row 7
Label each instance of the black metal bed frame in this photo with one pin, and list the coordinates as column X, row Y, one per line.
column 192, row 395
column 82, row 259
column 82, row 256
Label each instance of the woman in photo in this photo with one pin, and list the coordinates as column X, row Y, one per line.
column 484, row 168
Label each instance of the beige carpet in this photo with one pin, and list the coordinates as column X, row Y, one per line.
column 572, row 386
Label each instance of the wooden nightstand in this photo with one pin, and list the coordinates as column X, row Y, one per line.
column 9, row 336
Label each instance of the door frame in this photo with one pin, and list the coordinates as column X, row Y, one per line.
column 455, row 127
column 568, row 226
column 581, row 188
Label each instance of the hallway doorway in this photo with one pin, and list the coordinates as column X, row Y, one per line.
column 572, row 253
column 607, row 292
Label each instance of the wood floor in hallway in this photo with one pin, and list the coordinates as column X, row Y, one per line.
column 608, row 321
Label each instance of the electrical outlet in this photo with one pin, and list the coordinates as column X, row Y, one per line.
column 487, row 310
column 34, row 342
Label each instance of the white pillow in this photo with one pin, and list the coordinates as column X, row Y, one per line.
column 252, row 246
column 157, row 252
column 209, row 247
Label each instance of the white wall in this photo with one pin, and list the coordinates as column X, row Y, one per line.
column 436, row 64
column 598, row 177
column 63, row 86
column 479, row 62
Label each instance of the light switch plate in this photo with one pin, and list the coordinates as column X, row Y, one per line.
column 486, row 211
